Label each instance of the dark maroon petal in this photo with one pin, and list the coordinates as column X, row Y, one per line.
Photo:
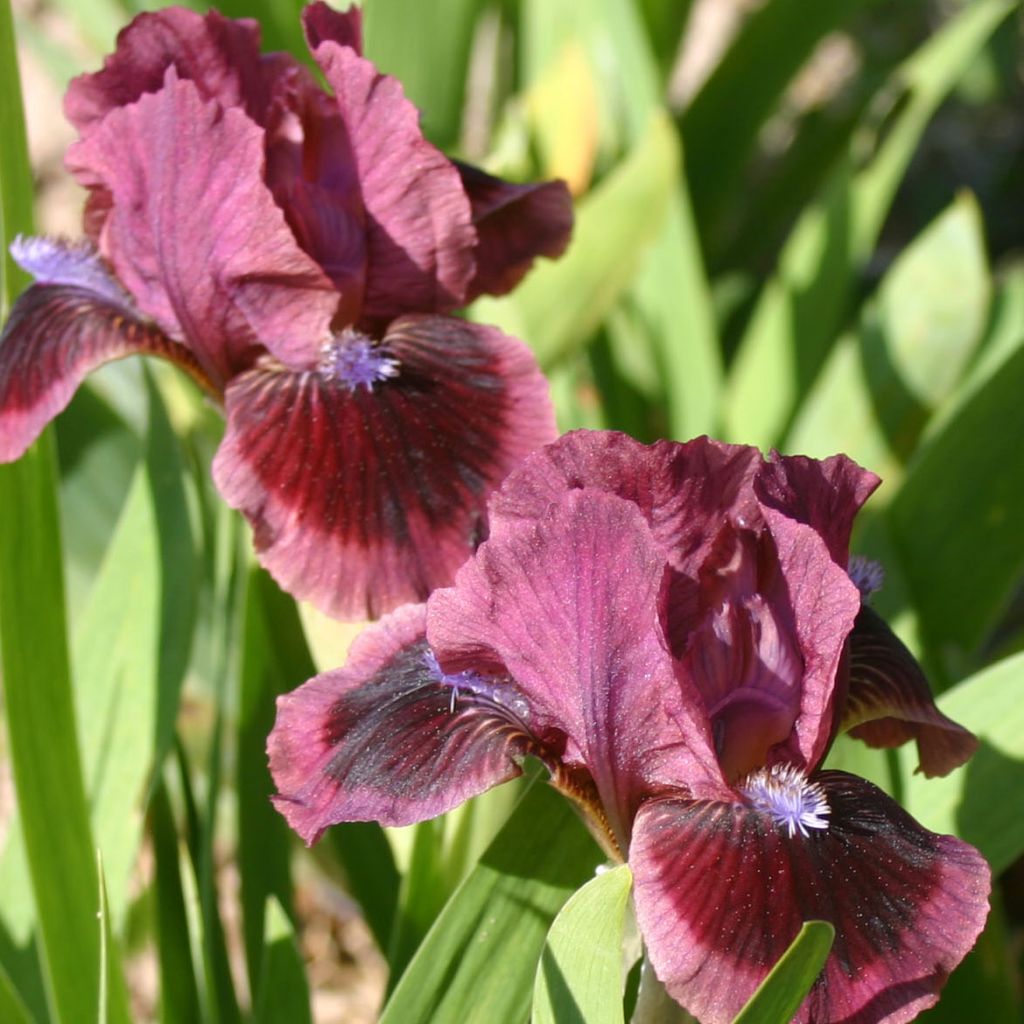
column 220, row 55
column 55, row 335
column 824, row 604
column 323, row 23
column 721, row 891
column 419, row 235
column 825, row 494
column 195, row 235
column 388, row 737
column 514, row 224
column 890, row 702
column 567, row 606
column 365, row 498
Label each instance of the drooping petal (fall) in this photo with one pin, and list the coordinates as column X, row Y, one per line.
column 419, row 234
column 56, row 334
column 721, row 890
column 367, row 485
column 194, row 233
column 890, row 702
column 567, row 606
column 390, row 737
column 514, row 224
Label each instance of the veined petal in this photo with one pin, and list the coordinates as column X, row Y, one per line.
column 195, row 235
column 419, row 234
column 364, row 495
column 890, row 702
column 825, row 494
column 721, row 890
column 567, row 606
column 55, row 335
column 220, row 55
column 514, row 224
column 389, row 737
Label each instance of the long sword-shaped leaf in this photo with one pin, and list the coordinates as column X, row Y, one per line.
column 477, row 963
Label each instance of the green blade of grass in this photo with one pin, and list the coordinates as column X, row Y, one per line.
column 12, row 1009
column 779, row 996
column 283, row 995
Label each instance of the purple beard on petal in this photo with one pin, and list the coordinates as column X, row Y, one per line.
column 71, row 263
column 356, row 361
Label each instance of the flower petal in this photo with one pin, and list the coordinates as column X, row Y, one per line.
column 322, row 22
column 419, row 235
column 721, row 891
column 363, row 499
column 826, row 494
column 387, row 738
column 890, row 702
column 567, row 606
column 55, row 335
column 220, row 55
column 514, row 224
column 195, row 235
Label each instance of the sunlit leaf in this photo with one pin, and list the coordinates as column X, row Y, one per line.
column 579, row 977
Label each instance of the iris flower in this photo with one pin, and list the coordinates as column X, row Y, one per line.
column 674, row 632
column 297, row 253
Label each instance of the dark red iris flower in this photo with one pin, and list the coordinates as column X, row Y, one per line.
column 674, row 631
column 296, row 251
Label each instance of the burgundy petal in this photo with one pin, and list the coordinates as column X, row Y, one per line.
column 389, row 737
column 824, row 494
column 567, row 606
column 514, row 224
column 366, row 497
column 419, row 234
column 890, row 702
column 721, row 890
column 220, row 55
column 55, row 335
column 323, row 23
column 824, row 603
column 195, row 234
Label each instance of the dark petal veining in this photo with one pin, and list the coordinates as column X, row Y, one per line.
column 721, row 890
column 363, row 499
column 890, row 702
column 390, row 738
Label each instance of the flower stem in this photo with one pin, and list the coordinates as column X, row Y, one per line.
column 654, row 1005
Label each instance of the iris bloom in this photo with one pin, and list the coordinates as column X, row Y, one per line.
column 295, row 252
column 673, row 631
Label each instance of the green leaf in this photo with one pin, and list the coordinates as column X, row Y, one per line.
column 131, row 651
column 399, row 33
column 477, row 963
column 954, row 523
column 179, row 994
column 773, row 44
column 795, row 322
column 779, row 996
column 560, row 304
column 12, row 1009
column 283, row 993
column 579, row 977
column 113, row 1007
column 274, row 660
column 982, row 802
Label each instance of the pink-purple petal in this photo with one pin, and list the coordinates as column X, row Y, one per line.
column 889, row 700
column 323, row 23
column 721, row 890
column 419, row 234
column 220, row 55
column 387, row 737
column 195, row 235
column 514, row 224
column 567, row 606
column 55, row 335
column 363, row 498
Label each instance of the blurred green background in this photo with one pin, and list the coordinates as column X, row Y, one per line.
column 799, row 225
